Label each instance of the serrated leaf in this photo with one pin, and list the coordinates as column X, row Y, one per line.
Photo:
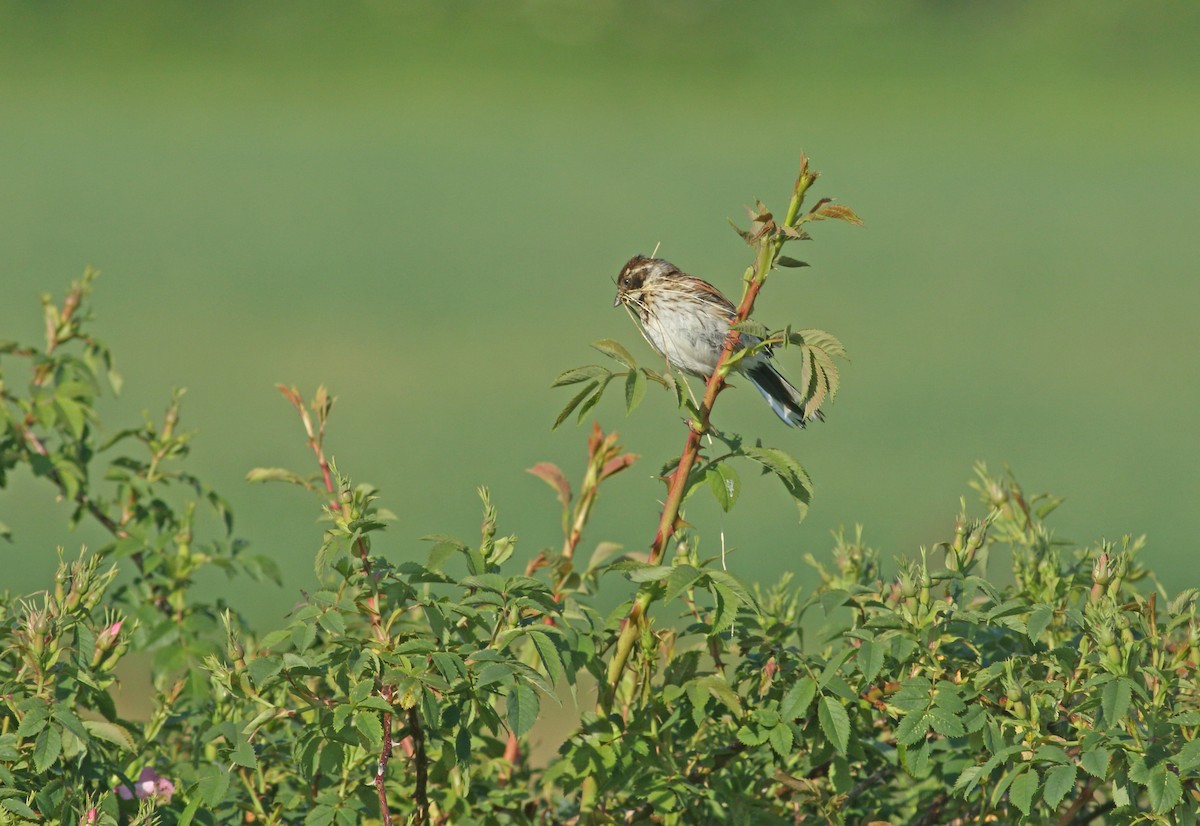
column 1059, row 781
column 34, row 720
column 752, row 328
column 549, row 655
column 788, row 470
column 1039, row 618
column 835, row 722
column 912, row 728
column 795, row 703
column 1114, row 699
column 243, row 754
column 870, row 659
column 1164, row 789
column 119, row 736
column 574, row 402
column 1188, row 756
column 946, row 723
column 18, row 807
column 614, row 350
column 721, row 690
column 370, row 727
column 1095, row 762
column 725, row 485
column 213, row 784
column 968, row 780
column 649, row 573
column 1051, row 754
column 726, row 609
column 1023, row 789
column 635, row 390
column 46, row 749
column 751, row 736
column 588, row 404
column 837, row 212
column 521, row 707
column 576, row 375
column 781, row 739
column 682, row 577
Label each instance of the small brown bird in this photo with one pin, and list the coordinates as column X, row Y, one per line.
column 687, row 319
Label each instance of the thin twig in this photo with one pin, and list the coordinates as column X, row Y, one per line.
column 421, row 794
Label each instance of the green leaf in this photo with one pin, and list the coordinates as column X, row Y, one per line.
column 1188, row 756
column 751, row 327
column 185, row 818
column 18, row 807
column 34, row 720
column 795, row 703
column 834, row 722
column 870, row 659
column 788, row 261
column 615, row 351
column 635, row 390
column 110, row 733
column 549, row 655
column 1023, row 789
column 724, row 483
column 213, row 784
column 728, row 602
column 522, row 708
column 751, row 736
column 1059, row 781
column 371, row 729
column 73, row 413
column 277, row 474
column 789, row 471
column 781, row 739
column 1039, row 618
column 575, row 402
column 649, row 573
column 719, row 688
column 1095, row 762
column 588, row 404
column 243, row 754
column 968, row 780
column 1114, row 699
column 46, row 749
column 945, row 723
column 578, row 374
column 912, row 728
column 1164, row 789
column 682, row 577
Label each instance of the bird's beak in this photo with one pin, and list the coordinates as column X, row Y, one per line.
column 617, row 300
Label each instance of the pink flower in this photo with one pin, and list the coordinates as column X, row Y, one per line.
column 149, row 785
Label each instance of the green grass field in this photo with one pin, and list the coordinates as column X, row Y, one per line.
column 423, row 206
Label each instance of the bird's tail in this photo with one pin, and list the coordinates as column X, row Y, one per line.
column 788, row 403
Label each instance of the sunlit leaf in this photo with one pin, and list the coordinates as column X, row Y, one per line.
column 615, row 350
column 834, row 722
column 1023, row 789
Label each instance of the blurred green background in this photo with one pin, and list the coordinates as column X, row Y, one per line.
column 423, row 204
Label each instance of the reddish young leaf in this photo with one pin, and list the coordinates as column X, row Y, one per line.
column 552, row 476
column 839, row 213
